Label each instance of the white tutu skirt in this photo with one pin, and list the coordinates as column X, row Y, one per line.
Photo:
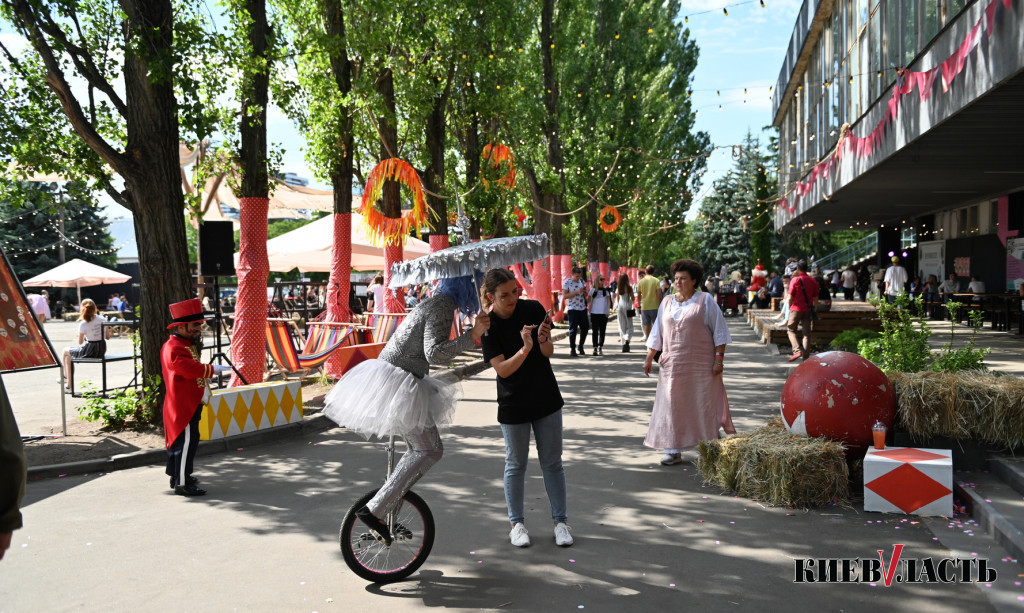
column 379, row 399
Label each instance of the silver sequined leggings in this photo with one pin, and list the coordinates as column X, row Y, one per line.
column 424, row 451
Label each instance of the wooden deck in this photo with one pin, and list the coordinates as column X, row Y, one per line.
column 843, row 316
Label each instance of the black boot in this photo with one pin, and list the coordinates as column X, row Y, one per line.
column 368, row 518
column 625, row 347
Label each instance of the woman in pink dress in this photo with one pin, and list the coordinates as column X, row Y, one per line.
column 690, row 332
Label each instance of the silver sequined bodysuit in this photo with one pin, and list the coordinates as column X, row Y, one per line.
column 414, row 345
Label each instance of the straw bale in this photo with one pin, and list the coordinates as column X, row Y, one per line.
column 777, row 467
column 967, row 404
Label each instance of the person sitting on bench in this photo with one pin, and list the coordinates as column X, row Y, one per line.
column 91, row 339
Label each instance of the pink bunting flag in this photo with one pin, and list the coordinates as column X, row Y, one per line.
column 990, row 15
column 925, row 80
column 894, row 104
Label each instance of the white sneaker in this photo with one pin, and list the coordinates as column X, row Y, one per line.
column 520, row 537
column 562, row 536
column 671, row 458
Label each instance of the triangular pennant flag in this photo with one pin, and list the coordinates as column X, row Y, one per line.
column 925, row 80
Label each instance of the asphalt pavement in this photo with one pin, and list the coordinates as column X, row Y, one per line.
column 648, row 537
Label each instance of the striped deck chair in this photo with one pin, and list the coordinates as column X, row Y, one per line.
column 323, row 339
column 382, row 326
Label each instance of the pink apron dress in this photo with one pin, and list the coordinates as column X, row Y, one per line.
column 690, row 403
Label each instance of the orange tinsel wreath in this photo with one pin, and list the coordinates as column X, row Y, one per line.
column 495, row 154
column 388, row 230
column 616, row 219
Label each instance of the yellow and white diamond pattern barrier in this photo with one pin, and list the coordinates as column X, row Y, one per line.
column 248, row 408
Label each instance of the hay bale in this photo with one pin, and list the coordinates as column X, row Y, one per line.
column 968, row 404
column 777, row 467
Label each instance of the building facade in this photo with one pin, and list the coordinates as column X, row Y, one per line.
column 907, row 116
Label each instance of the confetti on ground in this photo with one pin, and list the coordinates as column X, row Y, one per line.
column 573, row 561
column 671, row 584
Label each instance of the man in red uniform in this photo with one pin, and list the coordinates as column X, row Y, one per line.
column 803, row 297
column 186, row 380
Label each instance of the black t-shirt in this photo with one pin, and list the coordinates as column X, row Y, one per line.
column 531, row 392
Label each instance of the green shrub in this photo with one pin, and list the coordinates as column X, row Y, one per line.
column 123, row 408
column 903, row 344
column 849, row 340
column 968, row 357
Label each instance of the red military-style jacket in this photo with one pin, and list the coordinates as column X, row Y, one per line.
column 185, row 377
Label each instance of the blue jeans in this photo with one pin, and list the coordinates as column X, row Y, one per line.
column 547, row 431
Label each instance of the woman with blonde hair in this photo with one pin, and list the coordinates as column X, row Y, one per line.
column 92, row 342
column 623, row 307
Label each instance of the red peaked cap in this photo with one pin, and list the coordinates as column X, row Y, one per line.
column 186, row 312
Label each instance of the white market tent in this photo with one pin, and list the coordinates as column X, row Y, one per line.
column 310, row 248
column 78, row 274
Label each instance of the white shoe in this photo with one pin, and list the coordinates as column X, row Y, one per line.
column 562, row 536
column 520, row 537
column 671, row 458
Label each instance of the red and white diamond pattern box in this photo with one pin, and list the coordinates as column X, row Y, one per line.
column 909, row 480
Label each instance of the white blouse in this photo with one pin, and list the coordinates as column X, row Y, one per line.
column 93, row 330
column 713, row 318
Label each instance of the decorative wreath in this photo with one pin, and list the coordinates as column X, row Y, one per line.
column 499, row 157
column 385, row 230
column 612, row 224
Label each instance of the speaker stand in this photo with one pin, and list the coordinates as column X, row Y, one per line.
column 219, row 356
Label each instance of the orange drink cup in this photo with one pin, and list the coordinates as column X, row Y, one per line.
column 878, row 432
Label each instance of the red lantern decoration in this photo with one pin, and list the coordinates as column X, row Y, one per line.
column 385, row 230
column 609, row 225
column 496, row 155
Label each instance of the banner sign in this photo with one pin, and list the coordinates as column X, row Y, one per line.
column 23, row 343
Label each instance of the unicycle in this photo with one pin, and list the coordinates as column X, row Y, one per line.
column 412, row 536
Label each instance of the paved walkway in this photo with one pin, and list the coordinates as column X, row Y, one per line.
column 649, row 538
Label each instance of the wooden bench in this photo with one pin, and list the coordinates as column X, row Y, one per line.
column 843, row 316
column 103, row 361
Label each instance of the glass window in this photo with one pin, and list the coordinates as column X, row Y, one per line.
column 955, row 6
column 893, row 54
column 878, row 81
column 908, row 21
column 931, row 16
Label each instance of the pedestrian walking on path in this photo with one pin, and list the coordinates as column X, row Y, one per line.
column 690, row 403
column 518, row 348
column 624, row 311
column 574, row 291
column 600, row 306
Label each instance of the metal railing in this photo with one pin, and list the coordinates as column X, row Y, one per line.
column 850, row 254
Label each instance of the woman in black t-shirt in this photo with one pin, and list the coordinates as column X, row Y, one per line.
column 518, row 346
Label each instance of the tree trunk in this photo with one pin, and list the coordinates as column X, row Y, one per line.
column 559, row 243
column 249, row 340
column 152, row 174
column 433, row 176
column 391, row 193
column 339, row 284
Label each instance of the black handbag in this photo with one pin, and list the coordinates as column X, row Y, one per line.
column 631, row 313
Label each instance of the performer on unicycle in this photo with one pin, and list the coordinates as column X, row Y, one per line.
column 394, row 394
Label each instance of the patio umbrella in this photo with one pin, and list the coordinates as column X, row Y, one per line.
column 465, row 259
column 77, row 274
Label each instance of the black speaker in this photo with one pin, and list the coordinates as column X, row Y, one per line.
column 217, row 248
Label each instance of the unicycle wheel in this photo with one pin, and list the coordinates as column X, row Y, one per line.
column 412, row 539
